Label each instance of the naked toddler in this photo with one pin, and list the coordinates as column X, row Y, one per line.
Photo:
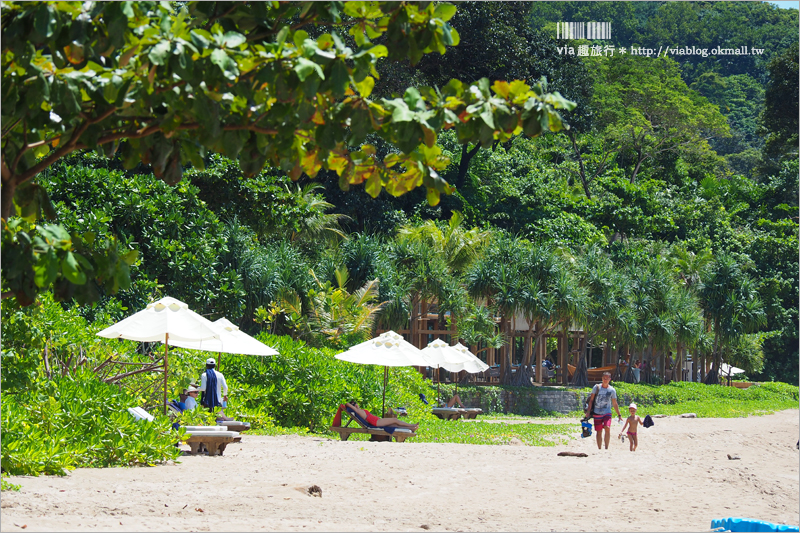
column 632, row 423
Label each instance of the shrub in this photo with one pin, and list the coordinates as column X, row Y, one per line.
column 78, row 421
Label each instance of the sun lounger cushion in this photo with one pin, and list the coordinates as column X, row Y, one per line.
column 205, row 432
column 140, row 414
column 190, row 429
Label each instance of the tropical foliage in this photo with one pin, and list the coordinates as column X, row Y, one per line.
column 310, row 172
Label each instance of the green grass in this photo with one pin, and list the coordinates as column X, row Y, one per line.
column 708, row 401
column 486, row 433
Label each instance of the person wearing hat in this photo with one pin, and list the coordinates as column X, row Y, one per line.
column 213, row 387
column 191, row 397
column 632, row 423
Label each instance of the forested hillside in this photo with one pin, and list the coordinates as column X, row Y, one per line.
column 666, row 215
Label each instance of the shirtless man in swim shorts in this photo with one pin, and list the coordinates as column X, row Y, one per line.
column 632, row 423
column 380, row 422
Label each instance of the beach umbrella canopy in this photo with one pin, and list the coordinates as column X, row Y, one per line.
column 729, row 370
column 441, row 354
column 231, row 340
column 166, row 317
column 164, row 321
column 387, row 349
column 472, row 363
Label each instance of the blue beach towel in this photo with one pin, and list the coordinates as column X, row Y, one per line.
column 209, row 398
column 388, row 430
column 749, row 524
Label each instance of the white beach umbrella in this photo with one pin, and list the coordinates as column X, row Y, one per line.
column 231, row 340
column 166, row 320
column 387, row 349
column 729, row 370
column 472, row 363
column 441, row 354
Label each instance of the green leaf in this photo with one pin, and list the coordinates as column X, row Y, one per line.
column 299, row 38
column 159, row 53
column 444, row 11
column 71, row 270
column 46, row 269
column 226, row 64
column 233, row 39
column 365, row 86
column 44, row 21
column 305, row 67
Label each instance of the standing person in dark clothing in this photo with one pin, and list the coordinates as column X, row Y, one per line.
column 213, row 387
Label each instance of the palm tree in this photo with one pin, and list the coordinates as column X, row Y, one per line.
column 496, row 279
column 551, row 298
column 687, row 325
column 731, row 303
column 317, row 226
column 600, row 312
column 459, row 247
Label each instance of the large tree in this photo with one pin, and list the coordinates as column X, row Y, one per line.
column 646, row 110
column 165, row 83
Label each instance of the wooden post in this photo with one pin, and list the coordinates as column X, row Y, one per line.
column 538, row 361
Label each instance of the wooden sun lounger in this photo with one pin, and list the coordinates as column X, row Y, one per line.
column 399, row 434
column 215, row 440
column 471, row 412
column 447, row 413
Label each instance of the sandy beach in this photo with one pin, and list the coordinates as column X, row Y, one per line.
column 678, row 480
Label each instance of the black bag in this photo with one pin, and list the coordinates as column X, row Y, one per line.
column 648, row 421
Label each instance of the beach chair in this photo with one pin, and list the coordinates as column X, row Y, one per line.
column 471, row 412
column 448, row 413
column 399, row 434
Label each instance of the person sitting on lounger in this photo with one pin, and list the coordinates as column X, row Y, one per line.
column 191, row 398
column 456, row 399
column 373, row 420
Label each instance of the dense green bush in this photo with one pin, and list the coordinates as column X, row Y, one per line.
column 303, row 386
column 79, row 421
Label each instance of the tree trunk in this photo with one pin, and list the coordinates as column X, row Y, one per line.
column 581, row 165
column 504, row 358
column 677, row 366
column 581, row 376
column 463, row 165
column 639, row 162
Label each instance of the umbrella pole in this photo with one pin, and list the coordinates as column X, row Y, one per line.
column 385, row 378
column 166, row 370
column 438, row 383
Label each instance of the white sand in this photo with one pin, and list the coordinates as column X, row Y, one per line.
column 678, row 480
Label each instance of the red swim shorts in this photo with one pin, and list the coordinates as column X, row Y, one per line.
column 372, row 420
column 601, row 421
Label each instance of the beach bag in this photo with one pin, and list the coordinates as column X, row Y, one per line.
column 648, row 421
column 586, row 428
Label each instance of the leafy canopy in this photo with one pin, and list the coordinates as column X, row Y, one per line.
column 164, row 84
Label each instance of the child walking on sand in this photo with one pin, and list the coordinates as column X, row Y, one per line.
column 632, row 423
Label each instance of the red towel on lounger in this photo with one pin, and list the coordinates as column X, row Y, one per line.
column 337, row 420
